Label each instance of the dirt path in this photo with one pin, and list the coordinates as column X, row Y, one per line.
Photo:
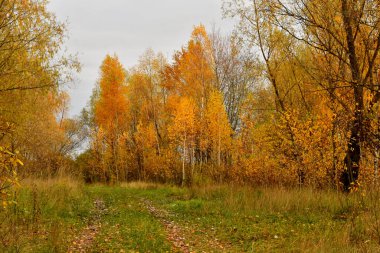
column 174, row 232
column 177, row 234
column 86, row 238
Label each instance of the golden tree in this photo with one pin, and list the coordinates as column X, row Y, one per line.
column 219, row 132
column 182, row 130
column 111, row 109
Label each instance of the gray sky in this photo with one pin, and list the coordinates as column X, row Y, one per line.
column 128, row 28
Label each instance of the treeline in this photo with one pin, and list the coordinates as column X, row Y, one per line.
column 34, row 130
column 291, row 98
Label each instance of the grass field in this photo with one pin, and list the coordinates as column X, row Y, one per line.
column 62, row 215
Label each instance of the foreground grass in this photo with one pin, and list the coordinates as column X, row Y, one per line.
column 243, row 219
column 127, row 226
column 49, row 215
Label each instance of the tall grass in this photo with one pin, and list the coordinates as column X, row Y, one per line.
column 141, row 185
column 304, row 220
column 44, row 215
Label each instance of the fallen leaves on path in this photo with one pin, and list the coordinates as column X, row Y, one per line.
column 174, row 232
column 86, row 238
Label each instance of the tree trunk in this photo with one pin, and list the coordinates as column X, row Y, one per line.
column 350, row 173
column 219, row 144
column 376, row 166
column 376, row 148
column 183, row 162
column 333, row 176
column 192, row 163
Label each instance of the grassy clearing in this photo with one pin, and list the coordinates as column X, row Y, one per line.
column 243, row 219
column 212, row 219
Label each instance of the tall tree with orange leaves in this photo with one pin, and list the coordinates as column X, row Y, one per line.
column 182, row 131
column 219, row 130
column 111, row 110
column 192, row 75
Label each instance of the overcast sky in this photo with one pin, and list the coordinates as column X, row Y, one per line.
column 128, row 28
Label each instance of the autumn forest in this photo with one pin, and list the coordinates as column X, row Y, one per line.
column 267, row 131
column 270, row 104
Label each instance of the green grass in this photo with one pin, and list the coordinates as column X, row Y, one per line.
column 127, row 225
column 49, row 215
column 244, row 219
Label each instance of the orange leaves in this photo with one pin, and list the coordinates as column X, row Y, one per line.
column 184, row 119
column 9, row 162
column 192, row 73
column 162, row 114
column 218, row 128
column 169, row 122
column 111, row 115
column 110, row 112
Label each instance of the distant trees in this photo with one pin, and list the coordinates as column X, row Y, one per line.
column 170, row 118
column 290, row 98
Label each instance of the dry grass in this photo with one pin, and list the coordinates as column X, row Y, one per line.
column 65, row 181
column 45, row 216
column 141, row 185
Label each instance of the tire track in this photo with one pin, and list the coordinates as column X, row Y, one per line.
column 85, row 240
column 174, row 232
